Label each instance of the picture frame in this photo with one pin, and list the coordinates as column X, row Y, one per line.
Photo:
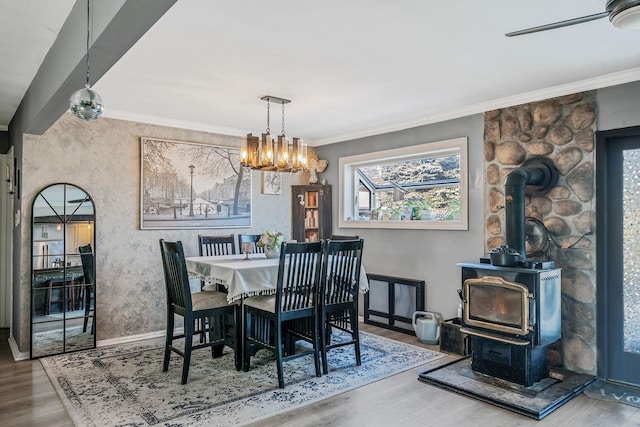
column 271, row 182
column 187, row 185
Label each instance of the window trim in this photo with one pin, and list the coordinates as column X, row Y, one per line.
column 348, row 186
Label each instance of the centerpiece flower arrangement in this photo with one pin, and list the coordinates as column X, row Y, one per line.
column 271, row 242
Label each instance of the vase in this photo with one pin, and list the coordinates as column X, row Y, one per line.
column 272, row 251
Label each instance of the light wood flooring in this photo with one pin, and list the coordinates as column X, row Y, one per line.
column 27, row 398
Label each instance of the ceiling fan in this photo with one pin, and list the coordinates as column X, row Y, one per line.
column 623, row 14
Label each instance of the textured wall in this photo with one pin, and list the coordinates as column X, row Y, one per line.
column 103, row 158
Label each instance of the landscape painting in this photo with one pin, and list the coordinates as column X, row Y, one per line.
column 192, row 185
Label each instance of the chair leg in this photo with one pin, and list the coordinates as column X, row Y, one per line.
column 355, row 333
column 278, row 346
column 216, row 332
column 316, row 345
column 167, row 343
column 238, row 353
column 324, row 342
column 188, row 344
column 87, row 303
column 246, row 331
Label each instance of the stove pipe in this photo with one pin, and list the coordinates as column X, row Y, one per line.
column 536, row 176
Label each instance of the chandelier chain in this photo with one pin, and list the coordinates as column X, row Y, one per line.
column 268, row 114
column 283, row 134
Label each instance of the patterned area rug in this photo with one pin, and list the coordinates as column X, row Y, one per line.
column 125, row 385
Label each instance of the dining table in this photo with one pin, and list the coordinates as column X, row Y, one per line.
column 244, row 275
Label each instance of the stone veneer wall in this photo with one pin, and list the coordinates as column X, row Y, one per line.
column 561, row 129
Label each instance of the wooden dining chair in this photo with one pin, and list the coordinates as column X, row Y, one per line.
column 216, row 245
column 343, row 237
column 210, row 305
column 250, row 238
column 89, row 287
column 291, row 312
column 339, row 290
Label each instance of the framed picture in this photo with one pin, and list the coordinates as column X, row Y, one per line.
column 271, row 182
column 192, row 185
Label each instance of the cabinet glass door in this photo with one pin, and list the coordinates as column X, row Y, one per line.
column 62, row 271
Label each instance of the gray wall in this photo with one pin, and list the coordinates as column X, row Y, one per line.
column 4, row 141
column 618, row 106
column 103, row 158
column 429, row 255
column 117, row 25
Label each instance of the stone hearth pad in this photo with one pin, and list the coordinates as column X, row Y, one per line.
column 535, row 401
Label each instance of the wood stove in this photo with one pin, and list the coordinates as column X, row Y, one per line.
column 512, row 315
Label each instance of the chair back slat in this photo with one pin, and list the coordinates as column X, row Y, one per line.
column 175, row 275
column 341, row 271
column 298, row 276
column 216, row 245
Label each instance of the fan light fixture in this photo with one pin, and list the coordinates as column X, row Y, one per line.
column 627, row 19
column 269, row 155
column 86, row 103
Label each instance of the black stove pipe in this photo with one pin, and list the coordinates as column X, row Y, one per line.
column 536, row 176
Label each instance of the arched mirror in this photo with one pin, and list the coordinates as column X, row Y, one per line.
column 62, row 271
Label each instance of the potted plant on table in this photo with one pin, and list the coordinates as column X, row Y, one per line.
column 271, row 242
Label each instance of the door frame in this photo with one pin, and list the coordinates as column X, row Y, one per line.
column 603, row 312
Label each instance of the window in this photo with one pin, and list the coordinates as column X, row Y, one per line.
column 421, row 186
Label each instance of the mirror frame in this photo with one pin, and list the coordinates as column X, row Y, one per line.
column 67, row 210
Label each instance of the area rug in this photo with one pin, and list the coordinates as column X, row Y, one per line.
column 612, row 392
column 535, row 401
column 124, row 384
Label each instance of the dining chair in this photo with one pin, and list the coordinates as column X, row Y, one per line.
column 339, row 290
column 342, row 237
column 250, row 238
column 213, row 246
column 216, row 245
column 211, row 305
column 291, row 312
column 88, row 290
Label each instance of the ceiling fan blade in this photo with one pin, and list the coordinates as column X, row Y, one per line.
column 559, row 24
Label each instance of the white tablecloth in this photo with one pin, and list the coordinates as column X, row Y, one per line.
column 244, row 277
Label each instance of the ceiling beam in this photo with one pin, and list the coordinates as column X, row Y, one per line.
column 117, row 26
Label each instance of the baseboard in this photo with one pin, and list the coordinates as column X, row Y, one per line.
column 15, row 351
column 131, row 338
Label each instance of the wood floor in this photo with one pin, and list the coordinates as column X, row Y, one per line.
column 27, row 398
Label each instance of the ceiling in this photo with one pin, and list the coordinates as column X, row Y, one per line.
column 351, row 68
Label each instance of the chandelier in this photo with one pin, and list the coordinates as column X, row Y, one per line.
column 269, row 155
column 86, row 103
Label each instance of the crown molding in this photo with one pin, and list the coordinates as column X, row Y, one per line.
column 607, row 80
column 174, row 123
column 4, row 127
